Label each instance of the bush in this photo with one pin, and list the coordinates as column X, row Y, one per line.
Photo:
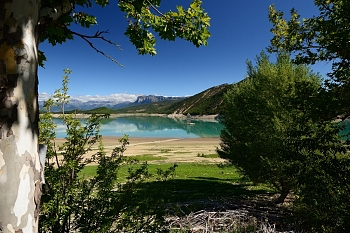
column 260, row 120
column 102, row 203
column 274, row 133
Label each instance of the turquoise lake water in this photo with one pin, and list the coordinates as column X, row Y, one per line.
column 345, row 133
column 157, row 127
column 162, row 127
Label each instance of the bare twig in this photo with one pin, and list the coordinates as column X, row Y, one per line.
column 218, row 221
column 258, row 214
column 155, row 8
column 98, row 35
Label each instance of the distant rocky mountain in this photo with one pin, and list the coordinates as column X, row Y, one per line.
column 75, row 104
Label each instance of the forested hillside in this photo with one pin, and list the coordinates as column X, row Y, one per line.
column 208, row 102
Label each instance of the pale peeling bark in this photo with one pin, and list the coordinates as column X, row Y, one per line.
column 20, row 168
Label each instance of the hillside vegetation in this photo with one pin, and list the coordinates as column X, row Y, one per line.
column 208, row 102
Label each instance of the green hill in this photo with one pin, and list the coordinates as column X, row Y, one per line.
column 208, row 102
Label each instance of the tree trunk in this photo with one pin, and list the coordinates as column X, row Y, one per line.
column 20, row 168
column 283, row 195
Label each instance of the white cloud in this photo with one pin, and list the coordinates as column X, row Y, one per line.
column 112, row 98
column 44, row 96
column 115, row 98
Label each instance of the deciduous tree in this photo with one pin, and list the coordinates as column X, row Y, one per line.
column 265, row 115
column 23, row 25
column 323, row 182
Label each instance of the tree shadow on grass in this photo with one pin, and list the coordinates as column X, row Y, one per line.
column 200, row 193
column 213, row 179
column 181, row 197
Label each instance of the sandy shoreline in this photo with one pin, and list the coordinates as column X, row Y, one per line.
column 171, row 150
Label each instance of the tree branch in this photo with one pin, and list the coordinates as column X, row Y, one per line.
column 98, row 35
column 54, row 12
column 149, row 3
column 155, row 8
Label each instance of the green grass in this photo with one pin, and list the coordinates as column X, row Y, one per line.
column 147, row 157
column 197, row 186
column 206, row 171
column 194, row 187
column 192, row 183
column 187, row 171
column 88, row 171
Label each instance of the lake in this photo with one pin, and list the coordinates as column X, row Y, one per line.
column 153, row 127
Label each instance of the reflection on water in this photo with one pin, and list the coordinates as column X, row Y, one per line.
column 145, row 126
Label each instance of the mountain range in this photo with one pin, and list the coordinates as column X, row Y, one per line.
column 77, row 104
column 207, row 102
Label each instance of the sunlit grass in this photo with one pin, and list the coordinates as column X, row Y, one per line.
column 147, row 157
column 183, row 171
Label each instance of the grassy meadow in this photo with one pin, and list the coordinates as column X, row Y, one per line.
column 191, row 188
column 191, row 182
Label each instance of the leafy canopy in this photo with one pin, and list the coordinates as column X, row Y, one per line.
column 145, row 20
column 320, row 38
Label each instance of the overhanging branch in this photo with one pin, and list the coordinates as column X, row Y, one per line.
column 54, row 12
column 155, row 8
column 149, row 3
column 98, row 35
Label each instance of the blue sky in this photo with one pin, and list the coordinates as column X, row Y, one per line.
column 240, row 31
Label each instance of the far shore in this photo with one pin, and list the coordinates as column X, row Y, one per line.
column 177, row 116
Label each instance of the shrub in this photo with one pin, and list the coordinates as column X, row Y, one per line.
column 101, row 203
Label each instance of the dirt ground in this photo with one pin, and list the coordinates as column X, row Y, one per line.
column 172, row 149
